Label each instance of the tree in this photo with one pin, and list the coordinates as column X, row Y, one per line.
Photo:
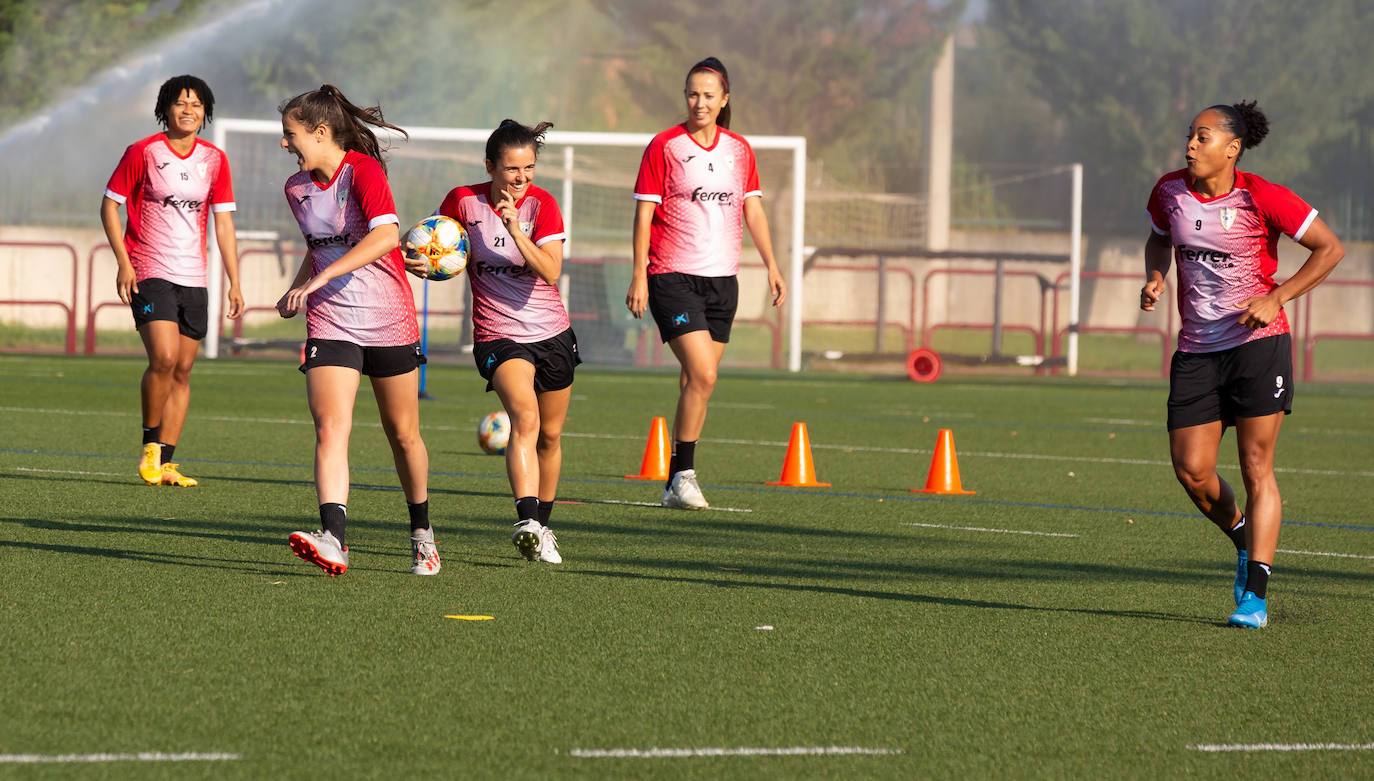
column 1127, row 77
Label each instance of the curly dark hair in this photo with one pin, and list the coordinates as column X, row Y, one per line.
column 172, row 88
column 1245, row 121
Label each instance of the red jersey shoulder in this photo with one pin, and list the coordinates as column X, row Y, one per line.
column 451, row 205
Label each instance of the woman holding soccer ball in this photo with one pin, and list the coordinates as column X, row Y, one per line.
column 1233, row 366
column 169, row 183
column 698, row 187
column 523, row 341
column 360, row 314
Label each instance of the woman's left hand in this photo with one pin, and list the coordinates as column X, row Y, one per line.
column 777, row 286
column 1260, row 311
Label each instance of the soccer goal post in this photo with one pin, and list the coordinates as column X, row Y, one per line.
column 592, row 175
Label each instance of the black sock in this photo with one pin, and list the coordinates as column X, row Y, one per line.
column 545, row 510
column 167, row 452
column 333, row 518
column 684, row 458
column 1237, row 533
column 419, row 515
column 527, row 508
column 1257, row 577
column 151, row 435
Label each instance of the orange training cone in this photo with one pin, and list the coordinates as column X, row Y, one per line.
column 798, row 469
column 656, row 453
column 944, row 468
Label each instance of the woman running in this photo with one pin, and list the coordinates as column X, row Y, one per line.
column 698, row 187
column 1234, row 364
column 360, row 314
column 523, row 342
column 169, row 183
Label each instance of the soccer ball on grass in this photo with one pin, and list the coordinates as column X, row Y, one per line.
column 494, row 432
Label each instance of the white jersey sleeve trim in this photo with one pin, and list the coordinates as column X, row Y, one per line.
column 116, row 197
column 553, row 237
column 1307, row 223
column 753, row 194
column 382, row 219
column 224, row 207
column 1154, row 227
column 650, row 198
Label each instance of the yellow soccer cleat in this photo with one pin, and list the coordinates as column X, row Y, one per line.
column 150, row 465
column 170, row 476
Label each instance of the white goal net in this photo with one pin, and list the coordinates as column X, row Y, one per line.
column 591, row 175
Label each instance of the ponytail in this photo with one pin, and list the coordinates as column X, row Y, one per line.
column 351, row 125
column 513, row 135
column 1244, row 121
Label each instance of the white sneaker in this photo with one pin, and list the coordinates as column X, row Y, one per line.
column 536, row 542
column 683, row 492
column 321, row 549
column 423, row 553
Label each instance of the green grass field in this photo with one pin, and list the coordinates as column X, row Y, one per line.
column 1067, row 621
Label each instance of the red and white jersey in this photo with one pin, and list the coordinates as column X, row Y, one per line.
column 509, row 300
column 372, row 306
column 1226, row 249
column 166, row 196
column 700, row 191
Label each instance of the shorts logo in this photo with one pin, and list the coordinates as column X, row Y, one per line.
column 147, row 309
column 1278, row 383
column 490, row 360
column 680, row 319
column 1228, row 217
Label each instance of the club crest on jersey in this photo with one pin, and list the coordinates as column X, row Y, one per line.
column 1228, row 217
column 202, row 168
column 341, row 194
column 526, row 227
column 730, row 162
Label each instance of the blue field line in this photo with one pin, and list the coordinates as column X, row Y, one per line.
column 745, row 489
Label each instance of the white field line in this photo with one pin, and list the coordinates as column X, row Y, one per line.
column 751, row 442
column 676, row 753
column 993, row 531
column 142, row 756
column 81, row 472
column 1319, row 553
column 654, row 504
column 1218, row 747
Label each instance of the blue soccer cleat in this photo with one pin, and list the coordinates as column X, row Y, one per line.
column 1241, row 560
column 1250, row 613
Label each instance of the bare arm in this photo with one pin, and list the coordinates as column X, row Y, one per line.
column 126, row 281
column 229, row 253
column 1327, row 251
column 1159, row 255
column 377, row 243
column 757, row 222
column 637, row 298
column 546, row 260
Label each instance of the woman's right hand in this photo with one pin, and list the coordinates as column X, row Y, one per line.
column 416, row 262
column 285, row 307
column 126, row 283
column 637, row 298
column 1150, row 294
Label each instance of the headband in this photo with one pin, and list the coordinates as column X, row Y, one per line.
column 720, row 75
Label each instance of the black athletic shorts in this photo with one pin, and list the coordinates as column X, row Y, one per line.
column 554, row 359
column 1249, row 381
column 685, row 302
column 158, row 299
column 372, row 361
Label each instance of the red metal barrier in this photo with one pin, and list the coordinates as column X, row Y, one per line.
column 69, row 308
column 878, row 323
column 1309, row 342
column 1165, row 331
column 927, row 328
